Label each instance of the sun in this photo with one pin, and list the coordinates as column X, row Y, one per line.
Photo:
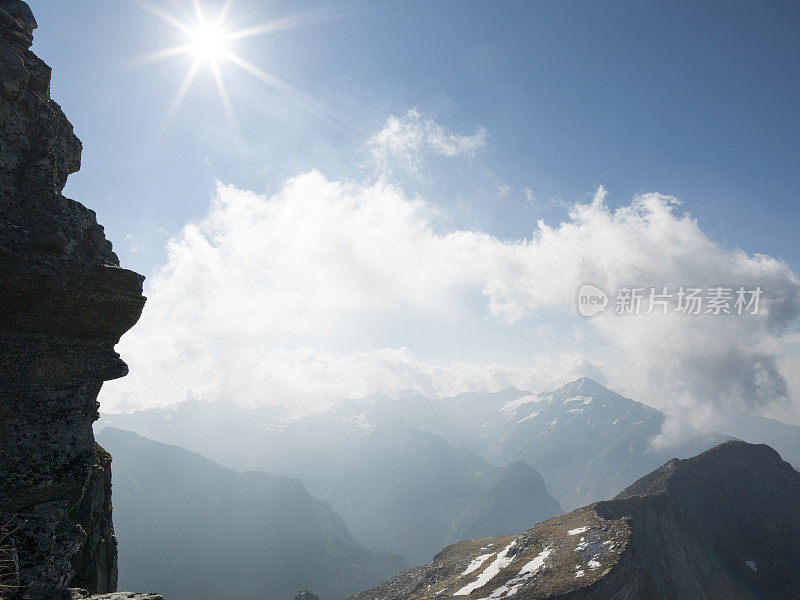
column 208, row 42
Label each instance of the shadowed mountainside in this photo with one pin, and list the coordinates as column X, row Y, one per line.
column 195, row 530
column 724, row 525
column 398, row 489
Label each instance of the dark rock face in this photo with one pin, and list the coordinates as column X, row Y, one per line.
column 95, row 563
column 66, row 302
column 724, row 525
column 305, row 595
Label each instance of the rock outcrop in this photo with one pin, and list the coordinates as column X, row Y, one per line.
column 83, row 595
column 65, row 304
column 724, row 525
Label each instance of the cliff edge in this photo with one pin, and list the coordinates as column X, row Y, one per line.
column 65, row 304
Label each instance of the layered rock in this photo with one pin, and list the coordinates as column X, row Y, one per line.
column 724, row 525
column 65, row 304
column 95, row 564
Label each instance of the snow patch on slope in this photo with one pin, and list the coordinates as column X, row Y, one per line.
column 513, row 405
column 477, row 563
column 513, row 586
column 499, row 563
column 536, row 563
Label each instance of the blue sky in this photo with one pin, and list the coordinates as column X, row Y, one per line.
column 389, row 238
column 696, row 100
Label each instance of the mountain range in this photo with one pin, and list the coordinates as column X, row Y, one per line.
column 724, row 525
column 195, row 530
column 397, row 488
column 586, row 441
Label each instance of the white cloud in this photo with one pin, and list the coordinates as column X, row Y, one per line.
column 289, row 297
column 404, row 141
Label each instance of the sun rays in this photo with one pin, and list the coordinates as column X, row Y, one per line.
column 208, row 43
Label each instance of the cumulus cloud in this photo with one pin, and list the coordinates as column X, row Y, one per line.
column 293, row 297
column 405, row 141
column 725, row 359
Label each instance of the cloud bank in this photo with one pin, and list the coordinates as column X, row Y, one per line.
column 298, row 297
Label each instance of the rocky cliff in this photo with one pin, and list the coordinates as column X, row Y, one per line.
column 65, row 304
column 724, row 525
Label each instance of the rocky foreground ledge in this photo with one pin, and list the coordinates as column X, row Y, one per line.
column 65, row 304
column 724, row 525
column 84, row 595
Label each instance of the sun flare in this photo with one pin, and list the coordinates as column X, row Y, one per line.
column 209, row 42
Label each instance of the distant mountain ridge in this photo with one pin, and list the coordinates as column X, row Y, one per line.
column 398, row 489
column 587, row 441
column 371, row 457
column 724, row 525
column 198, row 531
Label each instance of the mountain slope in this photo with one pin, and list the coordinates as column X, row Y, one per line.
column 502, row 504
column 587, row 438
column 398, row 488
column 410, row 491
column 724, row 525
column 587, row 441
column 195, row 530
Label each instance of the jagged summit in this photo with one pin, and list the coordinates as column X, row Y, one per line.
column 587, row 441
column 588, row 389
column 678, row 475
column 584, row 385
column 724, row 525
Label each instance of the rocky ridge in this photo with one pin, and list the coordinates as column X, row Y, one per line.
column 66, row 302
column 724, row 525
